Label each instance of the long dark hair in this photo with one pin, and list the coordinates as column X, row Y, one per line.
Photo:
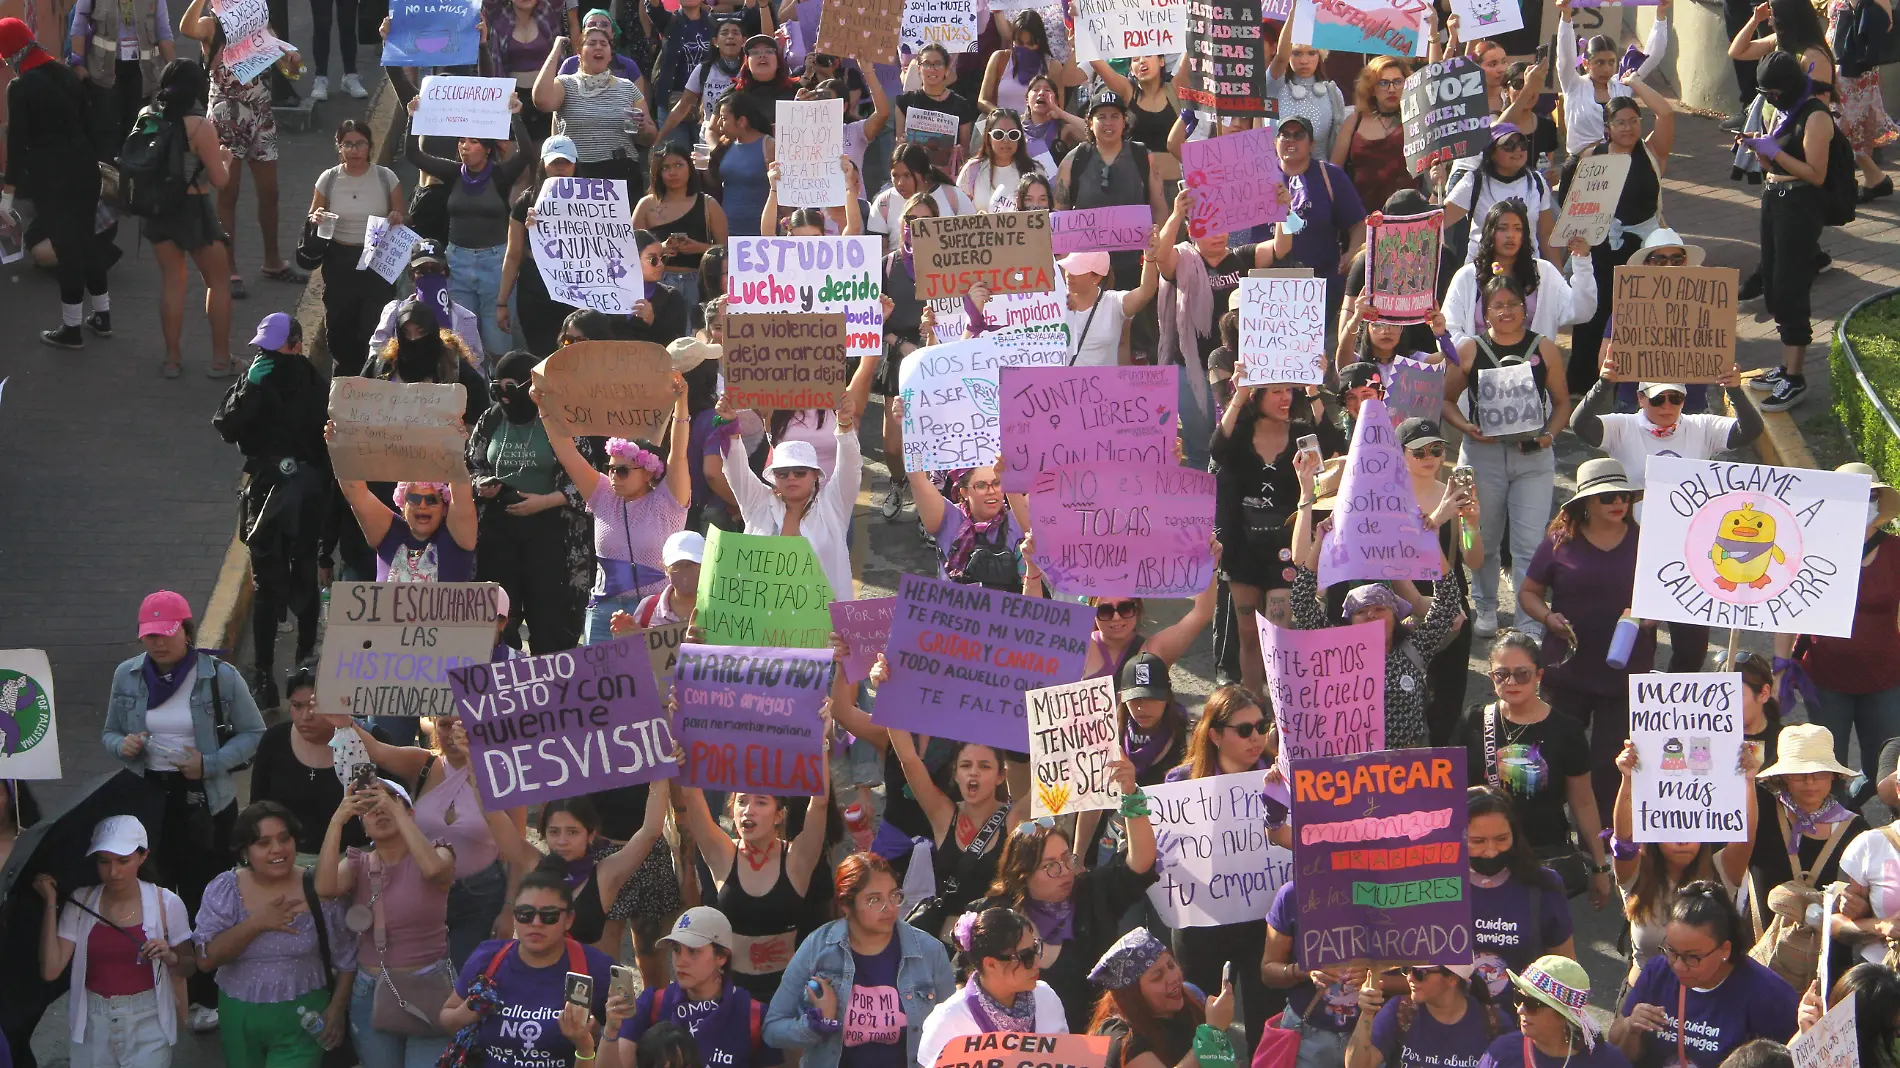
column 994, row 934
column 1518, row 860
column 657, row 186
column 1029, row 21
column 1022, row 855
column 1653, row 885
column 1127, row 1004
column 1798, row 27
column 181, row 87
column 746, row 83
column 916, row 160
column 1525, row 269
column 1874, row 1012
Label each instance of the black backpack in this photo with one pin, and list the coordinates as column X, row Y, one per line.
column 1840, row 190
column 152, row 176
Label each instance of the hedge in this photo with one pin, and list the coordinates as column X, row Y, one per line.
column 1873, row 329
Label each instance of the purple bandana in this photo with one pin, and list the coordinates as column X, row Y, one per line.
column 990, row 1015
column 159, row 686
column 1804, row 823
column 1143, row 749
column 473, row 181
column 1054, row 920
column 1020, row 64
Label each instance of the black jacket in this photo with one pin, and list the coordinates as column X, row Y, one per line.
column 282, row 416
column 49, row 147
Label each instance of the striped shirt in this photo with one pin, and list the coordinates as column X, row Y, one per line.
column 598, row 123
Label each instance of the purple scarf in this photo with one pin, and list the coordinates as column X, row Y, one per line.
column 959, row 555
column 1054, row 920
column 577, row 871
column 991, row 1016
column 1804, row 823
column 473, row 181
column 433, row 290
column 1019, row 64
column 1144, row 749
column 160, row 686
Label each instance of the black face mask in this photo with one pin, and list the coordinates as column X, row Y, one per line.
column 418, row 360
column 516, row 403
column 1489, row 865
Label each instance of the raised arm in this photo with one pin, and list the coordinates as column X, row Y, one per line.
column 679, row 469
column 711, row 839
column 462, row 522
column 549, row 94
column 1744, row 45
column 561, row 439
column 806, row 850
column 618, row 867
column 937, row 806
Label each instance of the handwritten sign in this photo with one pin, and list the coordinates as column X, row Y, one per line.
column 457, row 106
column 1032, row 346
column 584, row 244
column 250, row 48
column 1750, row 547
column 937, row 132
column 1328, row 688
column 1000, row 1050
column 1215, row 863
column 1674, row 324
column 950, row 406
column 1833, row 1041
column 1508, row 403
column 749, row 718
column 1121, row 228
column 784, row 361
column 1227, row 60
column 866, row 627
column 1413, row 389
column 950, row 23
column 1378, row 531
column 1445, row 113
column 1590, row 201
column 812, row 274
column 620, row 389
column 1112, row 529
column 433, row 33
column 541, row 728
column 29, row 731
column 1374, row 27
column 962, row 657
column 389, row 647
column 810, row 138
column 1402, row 271
column 1282, row 331
column 1077, row 415
column 865, row 28
column 761, row 589
column 1008, row 251
column 397, row 431
column 1380, row 850
column 1487, row 18
column 1071, row 742
column 1124, row 29
column 1236, row 182
column 1688, row 785
column 663, row 647
column 386, row 248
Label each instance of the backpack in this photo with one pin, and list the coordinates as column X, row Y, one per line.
column 1840, row 189
column 1788, row 946
column 992, row 563
column 429, row 211
column 152, row 176
column 1085, row 152
column 1864, row 39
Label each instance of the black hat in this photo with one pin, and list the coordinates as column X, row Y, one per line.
column 1106, row 100
column 1355, row 375
column 1414, row 432
column 1305, row 125
column 1144, row 675
column 427, row 251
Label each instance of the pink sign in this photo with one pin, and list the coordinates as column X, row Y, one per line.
column 1328, row 688
column 1377, row 531
column 1077, row 415
column 1124, row 530
column 1236, row 181
column 865, row 627
column 1121, row 228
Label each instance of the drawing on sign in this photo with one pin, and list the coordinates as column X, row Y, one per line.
column 1119, row 530
column 937, row 133
column 1487, row 18
column 433, row 33
column 386, row 248
column 1508, row 402
column 1688, row 785
column 584, row 244
column 950, row 23
column 1590, row 201
column 1007, row 251
column 812, row 274
column 1282, row 331
column 1445, row 112
column 1214, row 861
column 949, row 397
column 784, row 362
column 388, row 647
column 1413, row 389
column 1071, row 742
column 867, row 28
column 29, row 731
column 1674, row 324
column 619, row 389
column 1373, row 27
column 1236, row 180
column 1402, row 271
column 1076, row 415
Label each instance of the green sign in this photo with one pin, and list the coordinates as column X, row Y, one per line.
column 762, row 590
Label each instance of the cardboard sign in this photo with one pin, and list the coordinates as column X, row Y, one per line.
column 1121, row 228
column 1215, row 863
column 386, row 248
column 397, row 431
column 1282, row 331
column 1487, row 18
column 950, row 406
column 1236, row 182
column 1328, row 688
column 1071, row 742
column 1750, row 547
column 866, row 28
column 1590, row 202
column 619, row 389
column 950, row 23
column 866, row 628
column 784, row 362
column 1378, row 532
column 1402, row 271
column 812, row 274
column 433, row 33
column 1373, row 27
column 1674, row 324
column 1413, row 389
column 809, row 140
column 389, row 648
column 1226, row 60
column 1124, row 29
column 1380, row 848
column 1076, row 415
column 1833, row 1041
column 1508, row 402
column 663, row 647
column 1445, row 112
column 1688, row 785
column 584, row 244
column 1008, row 251
column 962, row 657
column 937, row 132
column 1004, row 1050
column 1112, row 529
column 250, row 48
column 457, row 106
column 541, row 728
column 759, row 589
column 29, row 730
column 749, row 718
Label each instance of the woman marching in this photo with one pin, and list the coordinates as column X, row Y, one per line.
column 997, row 952
column 1153, row 1018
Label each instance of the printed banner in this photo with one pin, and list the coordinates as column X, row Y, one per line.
column 386, row 248
column 812, row 274
column 1380, row 848
column 809, row 141
column 937, row 132
column 866, row 628
column 1077, row 415
column 866, row 28
column 1008, row 251
column 1674, row 324
column 433, row 33
column 584, row 244
column 962, row 657
column 1750, row 547
column 619, row 389
column 1487, row 18
column 1215, row 863
column 457, row 106
column 1113, row 529
column 950, row 406
column 389, row 648
column 1282, row 331
column 1590, row 203
column 29, row 730
column 1124, row 29
column 996, row 1050
column 1373, row 27
column 397, row 431
column 1236, row 181
column 784, row 361
column 541, row 728
column 1071, row 742
column 1508, row 402
column 761, row 589
column 1378, row 532
column 1688, row 785
column 1834, row 1040
column 1121, row 228
column 1402, row 272
column 1413, row 389
column 250, row 48
column 1227, row 60
column 1445, row 112
column 1328, row 688
column 750, row 718
column 950, row 23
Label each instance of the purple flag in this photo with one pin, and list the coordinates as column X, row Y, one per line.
column 1075, row 415
column 1123, row 530
column 1120, row 228
column 1377, row 531
column 750, row 717
column 865, row 627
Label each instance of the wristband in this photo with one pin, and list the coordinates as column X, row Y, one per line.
column 1212, row 1049
column 817, row 1022
column 1135, row 804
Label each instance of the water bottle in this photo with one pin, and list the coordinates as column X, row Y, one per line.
column 1623, row 642
column 311, row 1019
column 858, row 822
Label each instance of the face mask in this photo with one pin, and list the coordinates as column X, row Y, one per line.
column 1873, row 512
column 516, row 403
column 1488, row 865
column 418, row 360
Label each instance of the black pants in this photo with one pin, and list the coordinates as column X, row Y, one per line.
column 623, row 167
column 1688, row 646
column 197, row 846
column 1735, row 15
column 1446, row 677
column 353, row 303
column 527, row 554
column 320, row 12
column 68, row 224
column 116, row 107
column 1790, row 239
column 283, row 548
column 539, row 316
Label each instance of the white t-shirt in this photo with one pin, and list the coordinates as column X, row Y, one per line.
column 887, row 211
column 1102, row 346
column 1873, row 862
column 1630, row 439
column 1528, row 187
column 952, row 1019
column 710, row 83
column 170, row 727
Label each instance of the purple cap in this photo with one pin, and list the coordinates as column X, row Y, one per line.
column 273, row 332
column 1502, row 130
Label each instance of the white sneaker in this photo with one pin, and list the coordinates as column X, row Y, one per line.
column 1485, row 625
column 320, row 88
column 203, row 1018
column 354, row 86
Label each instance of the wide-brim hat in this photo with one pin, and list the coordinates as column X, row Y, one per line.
column 1889, row 497
column 1664, row 237
column 1562, row 984
column 1326, row 484
column 689, row 352
column 1601, row 475
column 1804, row 748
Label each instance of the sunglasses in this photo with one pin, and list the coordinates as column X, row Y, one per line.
column 1419, row 975
column 1026, row 957
column 1006, row 135
column 1519, row 675
column 549, row 915
column 823, row 60
column 1110, row 611
column 795, row 472
column 1247, row 730
column 1674, row 399
column 1613, row 497
column 619, row 470
column 1514, row 144
column 1429, row 450
column 427, row 500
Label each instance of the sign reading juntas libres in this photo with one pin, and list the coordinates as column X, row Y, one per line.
column 1215, row 861
column 388, row 647
column 1071, row 415
column 784, row 362
column 1674, row 324
column 397, row 431
column 1688, row 785
column 619, row 389
column 749, row 718
column 812, row 274
column 29, row 734
column 1008, row 251
column 1111, row 529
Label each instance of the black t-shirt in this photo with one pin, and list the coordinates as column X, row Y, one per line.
column 955, row 104
column 311, row 794
column 1224, row 280
column 1176, row 1033
column 1538, row 761
column 1255, row 501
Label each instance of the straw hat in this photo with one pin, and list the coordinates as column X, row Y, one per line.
column 1326, row 483
column 1562, row 984
column 1804, row 748
column 1889, row 497
column 1601, row 475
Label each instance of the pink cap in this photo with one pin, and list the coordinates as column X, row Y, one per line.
column 161, row 613
column 1085, row 263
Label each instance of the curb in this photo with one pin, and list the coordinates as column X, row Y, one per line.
column 1781, row 443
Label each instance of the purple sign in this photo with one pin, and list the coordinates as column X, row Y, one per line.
column 1121, row 228
column 1236, row 181
column 1124, row 530
column 962, row 657
column 1413, row 389
column 865, row 627
column 1078, row 415
column 541, row 728
column 750, row 718
column 1377, row 532
column 1379, row 857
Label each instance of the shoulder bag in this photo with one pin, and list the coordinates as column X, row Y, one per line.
column 408, row 1001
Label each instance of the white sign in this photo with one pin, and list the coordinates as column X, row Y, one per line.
column 1123, row 29
column 1071, row 742
column 950, row 23
column 29, row 733
column 1750, row 547
column 1007, row 311
column 455, row 106
column 1211, row 851
column 584, row 245
column 1508, row 402
column 250, row 48
column 1485, row 18
column 386, row 248
column 1033, row 346
column 1282, row 331
column 950, row 405
column 810, row 138
column 812, row 274
column 1688, row 785
column 388, row 646
column 1833, row 1041
column 1590, row 204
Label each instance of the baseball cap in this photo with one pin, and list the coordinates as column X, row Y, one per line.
column 761, row 39
column 683, row 545
column 161, row 613
column 1145, row 675
column 1107, row 100
column 427, row 251
column 560, row 146
column 272, row 332
column 1305, row 126
column 1085, row 263
column 1651, row 389
column 1358, row 375
column 701, row 925
column 1415, row 431
column 120, row 836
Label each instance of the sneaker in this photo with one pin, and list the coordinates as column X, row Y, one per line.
column 1485, row 625
column 924, row 535
column 1735, row 122
column 203, row 1019
column 100, row 323
column 264, row 690
column 1823, row 263
column 1875, row 192
column 320, row 88
column 1752, row 287
column 893, row 502
column 354, row 86
column 1786, row 393
column 1768, row 380
column 66, row 337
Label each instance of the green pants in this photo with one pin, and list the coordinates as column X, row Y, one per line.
column 269, row 1035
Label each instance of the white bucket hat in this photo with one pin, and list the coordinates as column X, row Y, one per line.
column 791, row 454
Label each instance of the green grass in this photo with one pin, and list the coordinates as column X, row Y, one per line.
column 1875, row 332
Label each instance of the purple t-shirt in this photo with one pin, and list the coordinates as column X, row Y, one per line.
column 1507, row 1051
column 1330, row 215
column 1501, row 927
column 1337, row 1007
column 628, row 536
column 954, row 522
column 875, row 1020
column 1751, row 1003
column 1591, row 588
column 1430, row 1044
column 723, row 1029
column 402, row 557
column 525, row 1032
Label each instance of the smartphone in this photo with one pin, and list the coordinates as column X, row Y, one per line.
column 619, row 983
column 363, row 778
column 1464, row 479
column 580, row 988
column 1227, row 974
column 1309, row 443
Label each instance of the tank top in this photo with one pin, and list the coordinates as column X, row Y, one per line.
column 1642, row 192
column 1377, row 168
column 764, row 928
column 415, row 913
column 518, row 56
column 590, row 919
column 964, row 876
column 1011, row 93
column 1150, row 128
column 1791, row 141
column 1125, row 184
column 742, row 174
column 693, row 225
column 451, row 811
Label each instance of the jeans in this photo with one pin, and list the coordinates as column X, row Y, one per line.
column 600, row 616
column 1790, row 239
column 123, row 1032
column 1514, row 489
column 687, row 282
column 475, row 284
column 474, row 902
column 382, row 1049
column 1874, row 716
column 1319, row 1047
column 1198, row 413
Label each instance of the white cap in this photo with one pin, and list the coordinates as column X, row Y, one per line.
column 701, row 925
column 683, row 545
column 791, row 454
column 120, row 836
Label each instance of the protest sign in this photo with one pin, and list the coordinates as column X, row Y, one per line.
column 1413, row 390
column 1121, row 228
column 397, row 431
column 749, row 718
column 950, row 23
column 1215, row 863
column 865, row 28
column 584, row 244
column 882, row 1014
column 250, row 48
column 1378, row 532
column 937, row 132
column 1328, row 688
column 1487, row 18
column 386, row 248
column 1402, row 271
column 390, row 647
column 962, row 657
column 1750, row 547
column 1590, row 202
column 1236, row 182
column 1114, row 529
column 1032, row 346
column 1076, row 415
column 541, row 728
column 865, row 626
column 1674, row 324
column 456, row 106
column 762, row 589
column 1834, row 1040
column 620, row 389
column 1374, row 27
column 1046, row 312
column 784, row 361
column 812, row 274
column 810, row 138
column 1071, row 742
column 1445, row 112
column 1688, row 785
column 1380, row 852
column 29, row 731
column 1008, row 251
column 1226, row 60
column 433, row 33
column 950, row 406
column 1124, row 29
column 1508, row 403
column 663, row 647
column 1282, row 331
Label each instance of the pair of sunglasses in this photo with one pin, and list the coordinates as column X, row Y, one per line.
column 1519, row 675
column 1247, row 730
column 1026, row 957
column 549, row 915
column 1006, row 135
column 1110, row 611
column 427, row 500
column 1429, row 450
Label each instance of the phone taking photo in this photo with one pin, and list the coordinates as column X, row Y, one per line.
column 619, row 982
column 580, row 988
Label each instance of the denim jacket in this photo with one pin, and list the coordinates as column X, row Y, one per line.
column 125, row 714
column 924, row 980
